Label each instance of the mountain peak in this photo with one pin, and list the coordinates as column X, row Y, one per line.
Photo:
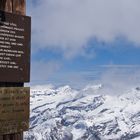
column 93, row 87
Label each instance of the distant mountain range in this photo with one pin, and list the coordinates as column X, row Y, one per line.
column 68, row 114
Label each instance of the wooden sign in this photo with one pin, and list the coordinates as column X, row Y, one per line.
column 15, row 41
column 14, row 110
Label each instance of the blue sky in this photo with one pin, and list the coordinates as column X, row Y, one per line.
column 73, row 36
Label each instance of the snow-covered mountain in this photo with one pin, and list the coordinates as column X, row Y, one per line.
column 67, row 114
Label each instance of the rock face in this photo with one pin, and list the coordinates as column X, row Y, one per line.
column 68, row 114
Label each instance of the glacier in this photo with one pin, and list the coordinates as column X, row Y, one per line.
column 65, row 113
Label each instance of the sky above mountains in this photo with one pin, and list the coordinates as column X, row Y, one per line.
column 72, row 36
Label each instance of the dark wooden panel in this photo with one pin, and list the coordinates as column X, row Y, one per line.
column 18, row 136
column 15, row 41
column 10, row 84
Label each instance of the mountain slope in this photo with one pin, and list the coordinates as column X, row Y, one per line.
column 68, row 114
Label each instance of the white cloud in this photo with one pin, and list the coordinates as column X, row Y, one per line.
column 118, row 79
column 68, row 25
column 42, row 71
column 115, row 79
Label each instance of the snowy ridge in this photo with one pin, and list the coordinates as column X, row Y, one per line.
column 67, row 114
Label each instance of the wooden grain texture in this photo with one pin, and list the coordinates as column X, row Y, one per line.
column 18, row 136
column 14, row 6
column 6, row 5
column 17, row 7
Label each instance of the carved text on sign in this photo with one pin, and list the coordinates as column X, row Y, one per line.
column 14, row 110
column 14, row 47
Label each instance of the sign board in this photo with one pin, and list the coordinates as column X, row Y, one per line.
column 15, row 42
column 14, row 110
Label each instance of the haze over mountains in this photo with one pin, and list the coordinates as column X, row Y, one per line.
column 86, row 114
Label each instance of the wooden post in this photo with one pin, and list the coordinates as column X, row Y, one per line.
column 17, row 7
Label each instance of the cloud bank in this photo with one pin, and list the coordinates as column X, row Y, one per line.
column 68, row 25
column 42, row 71
column 118, row 79
column 115, row 79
